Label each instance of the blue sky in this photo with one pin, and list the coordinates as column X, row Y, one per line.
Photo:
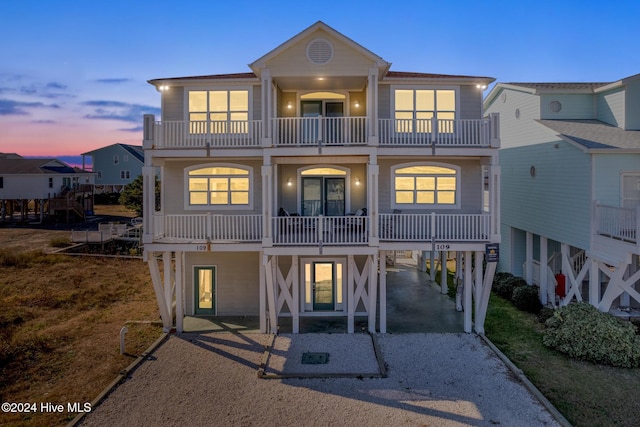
column 73, row 73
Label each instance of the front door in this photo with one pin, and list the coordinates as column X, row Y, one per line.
column 323, row 196
column 332, row 111
column 323, row 284
column 204, row 279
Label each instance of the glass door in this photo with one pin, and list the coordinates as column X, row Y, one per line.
column 323, row 285
column 333, row 112
column 334, row 196
column 310, row 111
column 312, row 196
column 205, row 290
column 323, row 196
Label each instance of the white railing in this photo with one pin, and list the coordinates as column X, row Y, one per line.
column 302, row 131
column 441, row 132
column 618, row 223
column 316, row 230
column 438, row 227
column 228, row 134
column 209, row 227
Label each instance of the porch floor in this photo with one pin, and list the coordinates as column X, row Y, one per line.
column 414, row 305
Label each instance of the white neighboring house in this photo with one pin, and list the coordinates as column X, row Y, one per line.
column 42, row 180
column 284, row 188
column 115, row 166
column 570, row 159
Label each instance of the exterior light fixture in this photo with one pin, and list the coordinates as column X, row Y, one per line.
column 483, row 87
column 357, row 181
column 357, row 104
column 163, row 88
column 289, row 182
column 289, row 105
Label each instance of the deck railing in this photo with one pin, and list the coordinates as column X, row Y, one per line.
column 441, row 132
column 315, row 230
column 209, row 227
column 302, row 131
column 228, row 134
column 438, row 227
column 322, row 131
column 618, row 223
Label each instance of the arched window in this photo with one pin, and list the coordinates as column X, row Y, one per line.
column 219, row 185
column 425, row 185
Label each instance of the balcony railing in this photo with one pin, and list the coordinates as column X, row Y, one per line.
column 228, row 134
column 315, row 230
column 323, row 131
column 208, row 227
column 302, row 131
column 618, row 223
column 441, row 132
column 438, row 227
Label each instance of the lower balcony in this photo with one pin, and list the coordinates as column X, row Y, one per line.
column 432, row 226
column 618, row 223
column 316, row 230
column 208, row 227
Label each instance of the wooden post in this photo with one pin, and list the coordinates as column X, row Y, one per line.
column 295, row 290
column 467, row 292
column 179, row 281
column 271, row 301
column 444, row 287
column 373, row 287
column 262, row 296
column 350, row 294
column 544, row 285
column 166, row 262
column 383, row 292
column 528, row 273
column 594, row 282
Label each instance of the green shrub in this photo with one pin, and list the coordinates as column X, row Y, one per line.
column 583, row 332
column 501, row 277
column 545, row 314
column 526, row 298
column 505, row 287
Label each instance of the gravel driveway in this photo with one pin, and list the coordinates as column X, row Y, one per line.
column 211, row 380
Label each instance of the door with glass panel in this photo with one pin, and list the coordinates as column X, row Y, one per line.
column 323, row 196
column 323, row 285
column 333, row 123
column 310, row 111
column 205, row 290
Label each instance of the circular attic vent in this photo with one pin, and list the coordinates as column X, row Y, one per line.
column 555, row 106
column 319, row 51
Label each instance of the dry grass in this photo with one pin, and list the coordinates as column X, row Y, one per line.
column 60, row 318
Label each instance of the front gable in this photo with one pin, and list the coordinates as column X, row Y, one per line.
column 319, row 51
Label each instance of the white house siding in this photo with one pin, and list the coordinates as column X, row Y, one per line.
column 173, row 104
column 610, row 107
column 522, row 131
column 632, row 101
column 174, row 186
column 470, row 182
column 608, row 170
column 572, row 107
column 30, row 186
column 557, row 200
column 237, row 281
column 345, row 61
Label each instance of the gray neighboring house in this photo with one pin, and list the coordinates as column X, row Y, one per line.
column 44, row 185
column 570, row 194
column 115, row 166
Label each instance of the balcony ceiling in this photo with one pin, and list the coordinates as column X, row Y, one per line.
column 328, row 83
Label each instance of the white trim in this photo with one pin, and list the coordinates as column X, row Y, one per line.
column 306, row 309
column 347, row 183
column 214, row 267
column 214, row 208
column 402, row 206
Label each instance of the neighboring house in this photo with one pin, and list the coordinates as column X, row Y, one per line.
column 284, row 188
column 570, row 160
column 115, row 166
column 41, row 180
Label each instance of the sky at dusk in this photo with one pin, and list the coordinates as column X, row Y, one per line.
column 73, row 74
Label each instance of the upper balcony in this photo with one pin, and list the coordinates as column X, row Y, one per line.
column 322, row 131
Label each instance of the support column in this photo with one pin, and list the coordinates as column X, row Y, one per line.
column 156, row 280
column 477, row 286
column 444, row 287
column 262, row 296
column 544, row 284
column 270, row 290
column 267, row 107
column 168, row 273
column 373, row 294
column 468, row 284
column 372, row 198
column 382, row 261
column 372, row 105
column 179, row 281
column 528, row 273
column 295, row 295
column 350, row 294
column 267, row 205
column 594, row 282
column 432, row 264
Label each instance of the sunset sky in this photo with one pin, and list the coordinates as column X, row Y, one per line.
column 73, row 74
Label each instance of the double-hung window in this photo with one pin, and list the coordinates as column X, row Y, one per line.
column 219, row 186
column 425, row 186
column 415, row 108
column 218, row 111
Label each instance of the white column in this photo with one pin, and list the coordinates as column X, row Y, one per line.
column 477, row 295
column 263, row 296
column 528, row 273
column 267, row 204
column 444, row 287
column 372, row 105
column 382, row 261
column 350, row 295
column 148, row 202
column 432, row 264
column 468, row 284
column 166, row 262
column 179, row 281
column 295, row 295
column 544, row 285
column 594, row 282
column 372, row 197
column 267, row 107
column 271, row 299
column 373, row 288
